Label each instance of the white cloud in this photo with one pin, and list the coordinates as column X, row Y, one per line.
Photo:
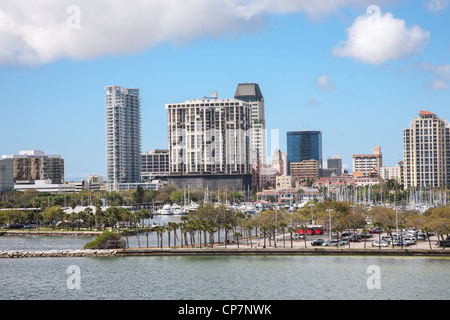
column 325, row 83
column 442, row 73
column 375, row 38
column 436, row 5
column 38, row 32
column 437, row 84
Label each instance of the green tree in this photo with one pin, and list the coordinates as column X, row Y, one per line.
column 53, row 214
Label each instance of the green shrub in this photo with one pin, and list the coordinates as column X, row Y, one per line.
column 102, row 240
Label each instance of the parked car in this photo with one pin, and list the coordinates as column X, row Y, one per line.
column 363, row 235
column 317, row 242
column 410, row 240
column 352, row 238
column 443, row 243
column 343, row 242
column 386, row 239
column 15, row 226
column 376, row 243
column 346, row 234
column 330, row 243
column 421, row 236
column 398, row 243
column 376, row 230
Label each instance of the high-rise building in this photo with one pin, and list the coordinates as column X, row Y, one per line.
column 209, row 143
column 33, row 165
column 123, row 135
column 304, row 145
column 251, row 93
column 154, row 163
column 334, row 168
column 426, row 151
column 368, row 165
column 6, row 175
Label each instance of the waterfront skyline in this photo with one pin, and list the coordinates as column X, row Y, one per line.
column 304, row 57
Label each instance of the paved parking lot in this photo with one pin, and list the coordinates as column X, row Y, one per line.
column 258, row 242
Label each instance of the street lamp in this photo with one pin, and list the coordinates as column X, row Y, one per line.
column 329, row 217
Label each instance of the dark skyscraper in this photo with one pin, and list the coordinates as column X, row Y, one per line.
column 304, row 145
column 251, row 93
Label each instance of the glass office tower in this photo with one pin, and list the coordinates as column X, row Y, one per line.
column 304, row 145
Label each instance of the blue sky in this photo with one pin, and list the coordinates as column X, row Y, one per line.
column 361, row 95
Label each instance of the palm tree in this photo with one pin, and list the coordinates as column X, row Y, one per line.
column 264, row 229
column 291, row 231
column 365, row 237
column 283, row 225
column 160, row 231
column 237, row 235
column 250, row 228
column 389, row 229
column 401, row 226
column 379, row 225
column 304, row 227
column 226, row 227
column 146, row 230
column 135, row 218
column 427, row 230
column 125, row 233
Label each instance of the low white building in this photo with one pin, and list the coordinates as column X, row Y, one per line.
column 46, row 186
column 394, row 172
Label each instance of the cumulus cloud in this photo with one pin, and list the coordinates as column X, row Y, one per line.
column 375, row 38
column 324, row 82
column 39, row 32
column 436, row 5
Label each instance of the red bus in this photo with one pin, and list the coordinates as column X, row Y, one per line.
column 311, row 230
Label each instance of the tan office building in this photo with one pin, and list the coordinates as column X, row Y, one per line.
column 426, row 151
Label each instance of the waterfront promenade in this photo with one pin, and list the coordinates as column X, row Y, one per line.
column 255, row 246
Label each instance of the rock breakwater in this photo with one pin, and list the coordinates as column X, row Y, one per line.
column 57, row 253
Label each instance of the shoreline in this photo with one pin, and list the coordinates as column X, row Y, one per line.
column 221, row 251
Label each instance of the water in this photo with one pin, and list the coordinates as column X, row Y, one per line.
column 215, row 278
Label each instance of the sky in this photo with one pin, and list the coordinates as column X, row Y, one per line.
column 359, row 71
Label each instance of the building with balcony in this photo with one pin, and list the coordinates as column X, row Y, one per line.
column 123, row 135
column 209, row 143
column 368, row 165
column 426, row 151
